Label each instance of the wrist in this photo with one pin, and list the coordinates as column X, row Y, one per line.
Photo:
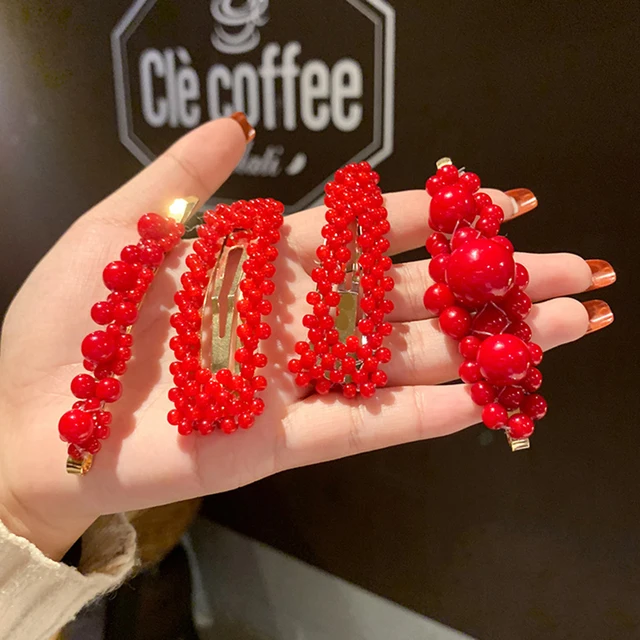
column 53, row 540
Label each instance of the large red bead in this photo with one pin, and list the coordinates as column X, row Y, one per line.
column 120, row 276
column 480, row 271
column 449, row 207
column 76, row 426
column 504, row 359
column 99, row 346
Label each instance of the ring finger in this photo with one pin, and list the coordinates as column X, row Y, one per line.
column 423, row 355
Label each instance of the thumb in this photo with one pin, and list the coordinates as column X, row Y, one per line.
column 196, row 165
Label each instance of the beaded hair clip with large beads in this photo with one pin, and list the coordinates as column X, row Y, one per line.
column 223, row 302
column 479, row 296
column 107, row 351
column 346, row 328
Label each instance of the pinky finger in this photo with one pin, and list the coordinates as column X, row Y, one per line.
column 323, row 428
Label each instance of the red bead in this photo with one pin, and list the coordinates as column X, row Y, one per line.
column 521, row 330
column 76, row 426
column 83, row 386
column 126, row 313
column 535, row 406
column 438, row 267
column 323, row 386
column 504, row 242
column 511, row 397
column 517, row 305
column 522, row 276
column 367, row 389
column 151, row 254
column 504, row 359
column 469, row 372
column 533, row 381
column 109, row 390
column 437, row 243
column 480, row 271
column 130, row 254
column 102, row 312
column 245, row 420
column 520, row 426
column 464, row 235
column 483, row 393
column 489, row 322
column 488, row 226
column 468, row 347
column 450, row 206
column 120, row 276
column 536, row 353
column 448, row 173
column 482, row 200
column 494, row 416
column 455, row 322
column 151, row 226
column 470, row 181
column 433, row 185
column 437, row 298
column 98, row 346
column 379, row 378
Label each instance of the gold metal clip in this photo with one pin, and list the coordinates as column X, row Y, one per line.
column 518, row 444
column 79, row 467
column 224, row 295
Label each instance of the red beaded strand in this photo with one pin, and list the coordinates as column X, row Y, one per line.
column 353, row 199
column 479, row 296
column 205, row 401
column 107, row 351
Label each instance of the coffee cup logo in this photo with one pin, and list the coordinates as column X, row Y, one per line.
column 236, row 29
column 315, row 107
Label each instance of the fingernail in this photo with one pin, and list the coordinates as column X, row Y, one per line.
column 600, row 315
column 247, row 129
column 602, row 274
column 524, row 201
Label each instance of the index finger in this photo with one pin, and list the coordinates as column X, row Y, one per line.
column 196, row 165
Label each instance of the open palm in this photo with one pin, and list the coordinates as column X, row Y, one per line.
column 145, row 462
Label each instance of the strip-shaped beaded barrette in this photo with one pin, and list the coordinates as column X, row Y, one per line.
column 107, row 351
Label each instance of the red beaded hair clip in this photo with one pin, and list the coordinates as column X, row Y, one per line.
column 479, row 296
column 346, row 329
column 223, row 299
column 107, row 351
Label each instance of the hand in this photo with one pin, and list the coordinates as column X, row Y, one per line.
column 145, row 462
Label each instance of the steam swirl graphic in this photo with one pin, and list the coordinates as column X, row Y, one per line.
column 236, row 29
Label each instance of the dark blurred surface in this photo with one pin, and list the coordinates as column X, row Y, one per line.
column 542, row 544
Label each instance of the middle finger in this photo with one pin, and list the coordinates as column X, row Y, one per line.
column 551, row 275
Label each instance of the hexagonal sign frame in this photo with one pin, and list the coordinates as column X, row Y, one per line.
column 345, row 94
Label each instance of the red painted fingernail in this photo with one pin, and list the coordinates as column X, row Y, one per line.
column 602, row 274
column 600, row 315
column 525, row 200
column 247, row 129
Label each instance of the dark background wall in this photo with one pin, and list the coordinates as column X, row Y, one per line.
column 542, row 544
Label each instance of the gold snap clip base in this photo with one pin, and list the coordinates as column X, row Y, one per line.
column 518, row 444
column 79, row 467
